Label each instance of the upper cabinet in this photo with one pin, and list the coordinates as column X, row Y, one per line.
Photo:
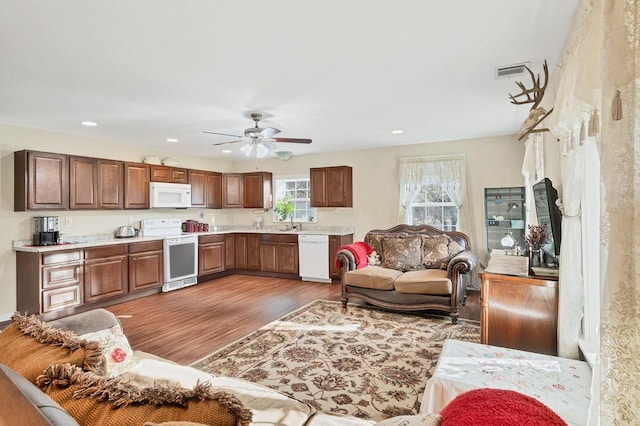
column 41, row 181
column 232, row 185
column 83, row 183
column 331, row 186
column 136, row 185
column 197, row 180
column 168, row 174
column 110, row 184
column 213, row 190
column 258, row 190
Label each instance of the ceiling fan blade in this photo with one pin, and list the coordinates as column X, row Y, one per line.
column 293, row 140
column 223, row 134
column 224, row 143
column 268, row 132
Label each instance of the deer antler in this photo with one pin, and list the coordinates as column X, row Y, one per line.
column 535, row 94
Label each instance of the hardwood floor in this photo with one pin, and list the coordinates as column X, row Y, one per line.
column 188, row 324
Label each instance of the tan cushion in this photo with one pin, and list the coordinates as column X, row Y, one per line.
column 429, row 281
column 437, row 251
column 28, row 346
column 402, row 253
column 96, row 400
column 372, row 277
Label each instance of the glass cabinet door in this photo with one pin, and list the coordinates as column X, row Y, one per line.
column 505, row 218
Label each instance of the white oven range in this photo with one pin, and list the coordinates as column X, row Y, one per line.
column 180, row 252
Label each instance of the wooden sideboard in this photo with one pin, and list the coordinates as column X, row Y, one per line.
column 519, row 312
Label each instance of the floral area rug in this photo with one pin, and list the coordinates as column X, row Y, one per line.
column 368, row 363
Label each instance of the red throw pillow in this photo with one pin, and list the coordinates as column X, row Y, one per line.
column 498, row 407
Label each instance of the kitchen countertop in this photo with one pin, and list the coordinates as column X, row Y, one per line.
column 84, row 241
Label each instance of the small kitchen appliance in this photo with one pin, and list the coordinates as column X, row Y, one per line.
column 126, row 232
column 46, row 230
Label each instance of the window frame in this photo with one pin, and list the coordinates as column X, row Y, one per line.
column 280, row 192
column 442, row 204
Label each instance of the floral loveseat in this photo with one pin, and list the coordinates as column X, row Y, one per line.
column 422, row 268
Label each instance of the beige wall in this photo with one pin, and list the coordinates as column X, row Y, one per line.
column 491, row 162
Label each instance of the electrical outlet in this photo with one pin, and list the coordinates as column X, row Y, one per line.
column 67, row 221
column 201, row 215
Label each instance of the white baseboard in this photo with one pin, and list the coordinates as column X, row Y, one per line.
column 5, row 317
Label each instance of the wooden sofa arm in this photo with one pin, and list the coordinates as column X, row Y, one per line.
column 347, row 260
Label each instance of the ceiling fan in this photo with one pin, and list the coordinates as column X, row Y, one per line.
column 259, row 141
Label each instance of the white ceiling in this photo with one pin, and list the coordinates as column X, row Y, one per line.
column 344, row 73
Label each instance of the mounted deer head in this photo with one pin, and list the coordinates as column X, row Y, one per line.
column 535, row 94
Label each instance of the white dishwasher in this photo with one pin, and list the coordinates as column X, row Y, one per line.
column 313, row 254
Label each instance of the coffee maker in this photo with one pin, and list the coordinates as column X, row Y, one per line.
column 46, row 230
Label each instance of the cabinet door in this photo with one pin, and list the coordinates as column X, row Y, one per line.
column 60, row 298
column 178, row 175
column 83, row 183
column 136, row 186
column 269, row 257
column 288, row 258
column 197, row 181
column 339, row 192
column 210, row 258
column 145, row 270
column 110, row 184
column 253, row 252
column 335, row 242
column 257, row 190
column 160, row 173
column 230, row 252
column 41, row 181
column 241, row 251
column 318, row 182
column 105, row 278
column 213, row 190
column 232, row 190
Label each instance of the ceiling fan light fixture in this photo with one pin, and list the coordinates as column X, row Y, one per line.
column 261, row 150
column 247, row 149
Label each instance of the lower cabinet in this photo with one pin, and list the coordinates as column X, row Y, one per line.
column 279, row 253
column 211, row 254
column 145, row 265
column 229, row 251
column 247, row 252
column 335, row 242
column 105, row 272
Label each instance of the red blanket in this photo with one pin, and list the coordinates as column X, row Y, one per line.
column 360, row 252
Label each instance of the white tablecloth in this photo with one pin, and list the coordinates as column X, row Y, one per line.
column 561, row 384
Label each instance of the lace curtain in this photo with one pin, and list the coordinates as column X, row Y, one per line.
column 446, row 170
column 603, row 58
column 533, row 171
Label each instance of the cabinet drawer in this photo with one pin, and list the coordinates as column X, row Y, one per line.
column 63, row 275
column 279, row 238
column 61, row 256
column 206, row 239
column 61, row 298
column 107, row 251
column 146, row 246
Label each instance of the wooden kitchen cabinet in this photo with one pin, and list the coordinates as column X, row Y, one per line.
column 48, row 281
column 83, row 183
column 168, row 174
column 145, row 264
column 331, row 186
column 211, row 254
column 110, row 184
column 105, row 272
column 241, row 251
column 232, row 186
column 335, row 242
column 229, row 252
column 41, row 181
column 253, row 252
column 519, row 312
column 197, row 180
column 136, row 185
column 213, row 190
column 279, row 253
column 257, row 189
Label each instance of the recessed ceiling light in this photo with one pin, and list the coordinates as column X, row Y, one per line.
column 397, row 132
column 89, row 123
column 172, row 140
column 226, row 151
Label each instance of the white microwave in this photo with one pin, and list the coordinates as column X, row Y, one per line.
column 169, row 195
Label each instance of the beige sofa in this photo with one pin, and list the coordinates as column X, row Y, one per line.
column 422, row 268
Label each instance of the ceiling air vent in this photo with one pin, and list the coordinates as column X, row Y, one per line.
column 509, row 71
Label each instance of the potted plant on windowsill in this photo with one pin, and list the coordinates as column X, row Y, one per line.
column 284, row 208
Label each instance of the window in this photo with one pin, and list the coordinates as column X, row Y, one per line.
column 297, row 189
column 432, row 206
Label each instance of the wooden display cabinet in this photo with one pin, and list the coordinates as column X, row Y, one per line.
column 519, row 312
